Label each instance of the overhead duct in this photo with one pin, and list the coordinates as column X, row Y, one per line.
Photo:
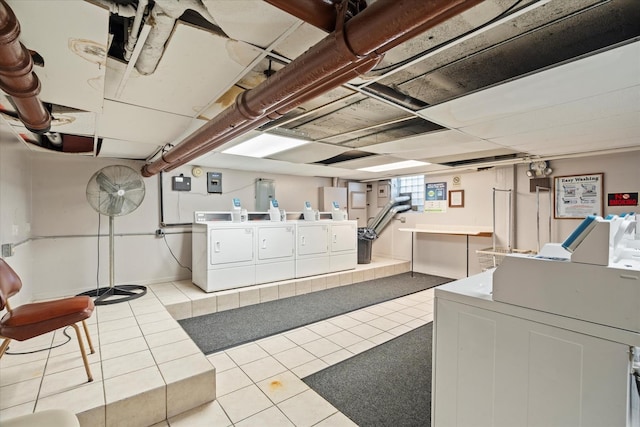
column 363, row 40
column 17, row 78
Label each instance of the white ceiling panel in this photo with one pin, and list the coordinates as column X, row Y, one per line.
column 601, row 73
column 74, row 50
column 126, row 149
column 592, row 108
column 310, row 153
column 186, row 80
column 132, row 123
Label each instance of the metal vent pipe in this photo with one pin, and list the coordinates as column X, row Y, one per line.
column 17, row 78
column 380, row 27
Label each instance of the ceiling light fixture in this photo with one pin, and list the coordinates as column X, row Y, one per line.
column 539, row 169
column 264, row 145
column 393, row 166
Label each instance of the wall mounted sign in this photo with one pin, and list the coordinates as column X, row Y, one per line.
column 456, row 198
column 622, row 199
column 435, row 197
column 578, row 196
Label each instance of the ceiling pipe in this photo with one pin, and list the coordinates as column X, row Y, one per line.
column 364, row 38
column 17, row 78
column 319, row 13
column 276, row 112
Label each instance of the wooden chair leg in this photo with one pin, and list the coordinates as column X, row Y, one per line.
column 83, row 352
column 4, row 346
column 86, row 332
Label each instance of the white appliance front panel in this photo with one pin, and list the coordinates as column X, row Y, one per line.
column 343, row 237
column 231, row 245
column 275, row 242
column 313, row 239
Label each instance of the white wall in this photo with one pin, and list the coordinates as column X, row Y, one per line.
column 445, row 255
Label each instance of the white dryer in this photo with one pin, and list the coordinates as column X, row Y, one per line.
column 275, row 258
column 343, row 245
column 312, row 248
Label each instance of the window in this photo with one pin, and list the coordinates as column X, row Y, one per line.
column 410, row 184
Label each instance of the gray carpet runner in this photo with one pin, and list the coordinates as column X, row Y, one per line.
column 219, row 331
column 388, row 385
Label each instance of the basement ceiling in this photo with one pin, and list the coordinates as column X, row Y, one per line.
column 505, row 81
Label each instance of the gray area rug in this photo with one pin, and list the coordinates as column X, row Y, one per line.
column 219, row 331
column 388, row 385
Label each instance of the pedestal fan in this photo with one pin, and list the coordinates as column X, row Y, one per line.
column 115, row 191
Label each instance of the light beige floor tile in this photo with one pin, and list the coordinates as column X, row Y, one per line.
column 309, row 368
column 324, row 328
column 179, row 311
column 221, row 361
column 365, row 330
column 121, row 387
column 344, row 321
column 286, row 290
column 17, row 411
column 378, row 310
column 268, row 293
column 357, row 276
column 185, row 367
column 19, row 393
column 166, row 337
column 416, row 323
column 209, row 414
column 321, row 347
column 244, row 403
column 154, row 317
column 189, row 392
column 246, row 353
column 332, row 281
column 303, row 286
column 399, row 317
column 263, row 368
column 336, row 420
column 271, row 417
column 345, row 338
column 337, row 356
column 301, row 336
column 126, row 364
column 22, row 372
column 249, row 297
column 121, row 348
column 361, row 347
column 318, row 284
column 283, row 386
column 306, row 408
column 161, row 326
column 383, row 323
column 294, row 357
column 399, row 330
column 363, row 315
column 79, row 399
column 276, row 344
column 228, row 301
column 381, row 338
column 204, row 306
column 69, row 379
column 346, row 279
column 231, row 380
column 12, row 356
column 141, row 409
column 108, row 337
column 176, row 350
column 114, row 325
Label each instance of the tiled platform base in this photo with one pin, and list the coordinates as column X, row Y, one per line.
column 146, row 368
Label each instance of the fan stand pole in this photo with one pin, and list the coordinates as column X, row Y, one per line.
column 115, row 294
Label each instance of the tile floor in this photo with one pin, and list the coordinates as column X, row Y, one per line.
column 148, row 372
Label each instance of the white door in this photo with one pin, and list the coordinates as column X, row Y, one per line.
column 275, row 242
column 343, row 237
column 231, row 245
column 313, row 239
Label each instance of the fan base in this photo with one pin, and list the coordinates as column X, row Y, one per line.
column 116, row 294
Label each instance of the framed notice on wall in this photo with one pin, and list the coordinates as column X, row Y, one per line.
column 578, row 196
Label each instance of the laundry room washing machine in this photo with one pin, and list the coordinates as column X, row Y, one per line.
column 275, row 243
column 223, row 255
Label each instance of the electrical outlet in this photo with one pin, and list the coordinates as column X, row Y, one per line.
column 159, row 232
column 8, row 250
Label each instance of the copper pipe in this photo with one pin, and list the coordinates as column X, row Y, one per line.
column 277, row 112
column 365, row 37
column 17, row 78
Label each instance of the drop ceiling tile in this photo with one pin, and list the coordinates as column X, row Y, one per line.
column 126, row 149
column 421, row 142
column 309, row 153
column 196, row 68
column 74, row 50
column 131, row 123
column 565, row 83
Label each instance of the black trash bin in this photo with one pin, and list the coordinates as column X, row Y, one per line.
column 366, row 236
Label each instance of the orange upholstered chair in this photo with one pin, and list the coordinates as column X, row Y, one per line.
column 34, row 319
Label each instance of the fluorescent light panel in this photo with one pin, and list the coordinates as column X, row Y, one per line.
column 264, row 145
column 394, row 166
